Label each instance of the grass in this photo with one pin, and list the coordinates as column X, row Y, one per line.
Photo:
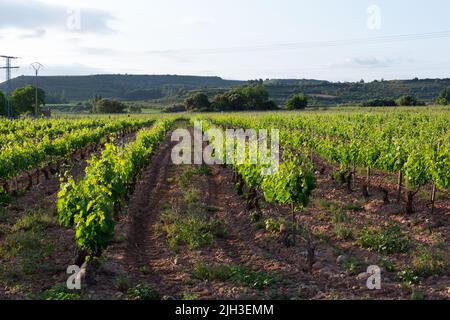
column 34, row 221
column 338, row 216
column 5, row 198
column 273, row 225
column 353, row 265
column 187, row 296
column 195, row 229
column 328, row 205
column 27, row 244
column 343, row 232
column 144, row 270
column 354, row 206
column 189, row 172
column 3, row 214
column 417, row 295
column 387, row 264
column 192, row 224
column 143, row 291
column 390, row 239
column 426, row 262
column 202, row 171
column 192, row 195
column 26, row 241
column 122, row 283
column 238, row 274
column 59, row 292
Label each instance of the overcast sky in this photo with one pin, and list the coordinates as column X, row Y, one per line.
column 342, row 40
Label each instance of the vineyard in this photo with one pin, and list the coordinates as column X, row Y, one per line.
column 353, row 189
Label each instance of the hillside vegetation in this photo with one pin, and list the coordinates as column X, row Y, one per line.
column 172, row 88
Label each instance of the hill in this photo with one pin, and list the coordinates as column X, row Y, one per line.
column 125, row 87
column 172, row 88
column 332, row 93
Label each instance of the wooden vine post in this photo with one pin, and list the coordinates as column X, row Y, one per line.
column 433, row 198
column 354, row 164
column 399, row 186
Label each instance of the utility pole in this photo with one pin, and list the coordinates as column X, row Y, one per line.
column 8, row 67
column 36, row 66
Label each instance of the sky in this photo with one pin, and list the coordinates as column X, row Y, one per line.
column 344, row 40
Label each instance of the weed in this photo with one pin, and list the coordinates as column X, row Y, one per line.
column 187, row 296
column 354, row 206
column 388, row 240
column 143, row 291
column 417, row 295
column 122, row 283
column 3, row 214
column 202, row 171
column 144, row 270
column 328, row 205
column 343, row 232
column 59, row 292
column 408, row 277
column 338, row 216
column 387, row 264
column 238, row 274
column 194, row 229
column 29, row 246
column 273, row 225
column 353, row 265
column 425, row 263
column 191, row 196
column 34, row 221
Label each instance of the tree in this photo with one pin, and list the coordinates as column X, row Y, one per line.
column 134, row 108
column 109, row 106
column 24, row 100
column 252, row 97
column 297, row 102
column 380, row 103
column 407, row 101
column 2, row 104
column 444, row 98
column 197, row 102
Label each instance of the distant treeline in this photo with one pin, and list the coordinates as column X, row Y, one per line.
column 226, row 95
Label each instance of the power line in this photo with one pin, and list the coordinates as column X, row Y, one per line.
column 312, row 44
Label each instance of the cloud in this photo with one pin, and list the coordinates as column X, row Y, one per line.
column 38, row 33
column 34, row 15
column 98, row 51
column 370, row 62
column 196, row 22
column 172, row 55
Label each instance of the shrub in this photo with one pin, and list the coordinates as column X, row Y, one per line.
column 197, row 102
column 444, row 97
column 380, row 103
column 109, row 106
column 297, row 102
column 408, row 101
column 175, row 108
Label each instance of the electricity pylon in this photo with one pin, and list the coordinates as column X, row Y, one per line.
column 8, row 68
